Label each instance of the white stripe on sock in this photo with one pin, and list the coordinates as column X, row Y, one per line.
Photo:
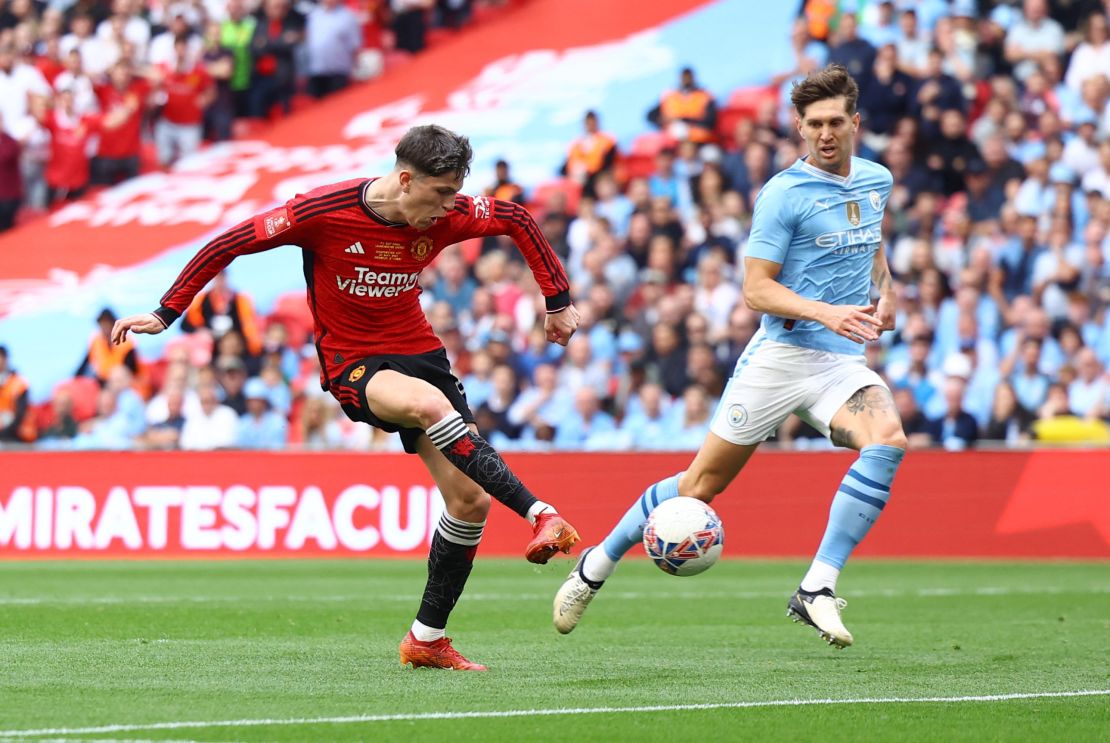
column 448, row 430
column 457, row 531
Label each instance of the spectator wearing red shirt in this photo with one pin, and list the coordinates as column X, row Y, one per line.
column 11, row 179
column 185, row 89
column 67, row 171
column 49, row 60
column 124, row 96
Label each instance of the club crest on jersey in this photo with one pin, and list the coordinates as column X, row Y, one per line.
column 276, row 221
column 481, row 207
column 853, row 212
column 876, row 200
column 420, row 248
column 356, row 373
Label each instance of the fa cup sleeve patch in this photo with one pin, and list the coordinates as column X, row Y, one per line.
column 275, row 222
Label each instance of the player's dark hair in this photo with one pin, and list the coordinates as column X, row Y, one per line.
column 831, row 82
column 433, row 150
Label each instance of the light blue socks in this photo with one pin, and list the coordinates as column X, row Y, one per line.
column 859, row 500
column 629, row 531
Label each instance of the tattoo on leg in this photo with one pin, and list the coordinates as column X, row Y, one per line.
column 842, row 437
column 855, row 402
column 873, row 400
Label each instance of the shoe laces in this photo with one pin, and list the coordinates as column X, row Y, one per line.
column 840, row 603
column 444, row 646
column 542, row 519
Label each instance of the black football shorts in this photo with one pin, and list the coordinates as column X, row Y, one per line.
column 433, row 367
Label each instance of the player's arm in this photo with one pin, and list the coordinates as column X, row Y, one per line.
column 764, row 293
column 880, row 276
column 486, row 216
column 265, row 231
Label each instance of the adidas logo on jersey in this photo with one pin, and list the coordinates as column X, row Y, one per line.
column 356, row 248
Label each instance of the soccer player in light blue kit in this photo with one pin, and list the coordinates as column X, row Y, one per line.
column 814, row 253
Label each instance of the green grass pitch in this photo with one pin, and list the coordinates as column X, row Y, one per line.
column 307, row 651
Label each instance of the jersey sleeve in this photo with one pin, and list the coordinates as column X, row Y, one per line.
column 772, row 225
column 271, row 229
column 482, row 215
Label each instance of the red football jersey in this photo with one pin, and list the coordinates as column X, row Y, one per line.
column 362, row 270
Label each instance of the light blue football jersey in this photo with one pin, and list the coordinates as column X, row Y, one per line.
column 824, row 229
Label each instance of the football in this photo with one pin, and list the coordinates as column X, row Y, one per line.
column 684, row 536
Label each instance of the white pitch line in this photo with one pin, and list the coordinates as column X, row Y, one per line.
column 419, row 716
column 630, row 595
column 98, row 740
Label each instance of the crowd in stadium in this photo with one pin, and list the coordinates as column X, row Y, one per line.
column 94, row 91
column 993, row 117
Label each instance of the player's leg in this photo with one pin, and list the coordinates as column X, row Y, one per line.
column 869, row 423
column 450, row 559
column 757, row 399
column 716, row 465
column 409, row 402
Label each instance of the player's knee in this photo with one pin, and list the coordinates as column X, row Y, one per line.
column 429, row 407
column 892, row 435
column 468, row 502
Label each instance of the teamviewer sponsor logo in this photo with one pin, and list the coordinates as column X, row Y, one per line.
column 371, row 283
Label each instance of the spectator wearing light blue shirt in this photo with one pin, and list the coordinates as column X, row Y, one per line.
column 1034, row 323
column 111, row 429
column 691, row 430
column 260, row 427
column 1087, row 393
column 1033, row 36
column 479, row 382
column 129, row 407
column 332, row 40
column 542, row 404
column 586, row 425
column 879, row 26
column 665, row 182
column 1021, row 367
column 646, row 423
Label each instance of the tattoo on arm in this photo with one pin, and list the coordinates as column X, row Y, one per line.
column 880, row 272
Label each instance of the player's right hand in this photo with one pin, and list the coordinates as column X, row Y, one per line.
column 145, row 323
column 855, row 322
column 560, row 326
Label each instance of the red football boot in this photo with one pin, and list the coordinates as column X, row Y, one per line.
column 552, row 534
column 435, row 654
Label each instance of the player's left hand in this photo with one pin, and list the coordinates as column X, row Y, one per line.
column 885, row 312
column 560, row 326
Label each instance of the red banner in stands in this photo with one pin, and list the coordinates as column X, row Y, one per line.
column 230, row 504
column 323, row 143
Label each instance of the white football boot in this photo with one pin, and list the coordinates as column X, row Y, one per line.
column 573, row 597
column 821, row 610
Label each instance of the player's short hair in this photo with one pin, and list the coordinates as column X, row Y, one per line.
column 433, row 150
column 831, row 82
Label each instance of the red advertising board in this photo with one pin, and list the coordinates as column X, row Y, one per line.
column 240, row 504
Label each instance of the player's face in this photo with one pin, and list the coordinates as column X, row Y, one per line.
column 428, row 198
column 829, row 130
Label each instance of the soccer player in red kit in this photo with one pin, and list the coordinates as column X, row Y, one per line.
column 364, row 244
